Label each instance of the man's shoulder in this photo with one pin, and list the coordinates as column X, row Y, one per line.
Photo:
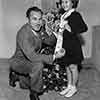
column 23, row 31
column 24, row 27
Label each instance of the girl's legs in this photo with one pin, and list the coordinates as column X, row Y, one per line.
column 69, row 77
column 73, row 82
column 72, row 75
column 74, row 71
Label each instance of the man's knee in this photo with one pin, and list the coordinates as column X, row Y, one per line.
column 37, row 67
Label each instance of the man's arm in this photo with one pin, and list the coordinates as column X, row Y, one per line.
column 27, row 44
column 50, row 39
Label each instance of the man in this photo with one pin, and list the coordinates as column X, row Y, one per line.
column 27, row 59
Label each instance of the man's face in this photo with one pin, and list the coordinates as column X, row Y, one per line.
column 35, row 20
column 67, row 5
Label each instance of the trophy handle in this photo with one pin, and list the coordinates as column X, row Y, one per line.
column 61, row 52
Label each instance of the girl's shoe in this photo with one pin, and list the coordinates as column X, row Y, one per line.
column 71, row 92
column 66, row 90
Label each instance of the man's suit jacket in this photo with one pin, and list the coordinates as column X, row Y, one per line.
column 27, row 57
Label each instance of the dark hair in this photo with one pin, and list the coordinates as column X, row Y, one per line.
column 33, row 9
column 75, row 3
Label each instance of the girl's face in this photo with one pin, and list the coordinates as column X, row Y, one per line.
column 67, row 5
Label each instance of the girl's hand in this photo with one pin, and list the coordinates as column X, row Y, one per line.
column 63, row 23
column 67, row 27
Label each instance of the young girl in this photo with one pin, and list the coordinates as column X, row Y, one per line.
column 71, row 25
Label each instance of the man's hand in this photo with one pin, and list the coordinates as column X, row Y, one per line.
column 59, row 53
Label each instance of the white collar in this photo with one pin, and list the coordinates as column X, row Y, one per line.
column 35, row 33
column 67, row 14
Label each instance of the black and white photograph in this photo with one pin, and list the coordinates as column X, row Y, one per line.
column 49, row 50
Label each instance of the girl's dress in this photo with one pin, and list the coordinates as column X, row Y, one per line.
column 55, row 76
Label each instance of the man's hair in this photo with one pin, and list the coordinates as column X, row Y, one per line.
column 75, row 3
column 36, row 9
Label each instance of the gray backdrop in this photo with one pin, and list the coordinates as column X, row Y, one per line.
column 12, row 17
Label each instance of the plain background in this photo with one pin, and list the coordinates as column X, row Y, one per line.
column 12, row 17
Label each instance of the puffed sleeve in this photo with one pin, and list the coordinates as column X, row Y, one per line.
column 27, row 44
column 77, row 23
